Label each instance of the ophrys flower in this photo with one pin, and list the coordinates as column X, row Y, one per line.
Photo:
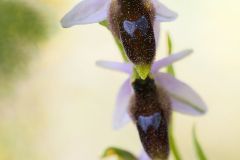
column 182, row 97
column 134, row 22
column 150, row 102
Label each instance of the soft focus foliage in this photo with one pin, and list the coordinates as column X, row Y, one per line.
column 21, row 29
column 199, row 151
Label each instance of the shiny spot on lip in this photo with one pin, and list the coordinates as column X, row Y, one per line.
column 131, row 26
column 147, row 121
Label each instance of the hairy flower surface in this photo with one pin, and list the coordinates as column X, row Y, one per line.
column 150, row 110
column 182, row 97
column 136, row 23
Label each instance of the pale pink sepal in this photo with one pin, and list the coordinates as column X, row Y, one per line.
column 163, row 13
column 85, row 12
column 183, row 98
column 170, row 60
column 120, row 115
column 157, row 32
column 121, row 67
column 144, row 156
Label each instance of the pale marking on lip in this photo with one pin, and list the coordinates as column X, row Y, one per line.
column 147, row 121
column 131, row 26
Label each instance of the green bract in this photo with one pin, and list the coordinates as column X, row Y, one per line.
column 119, row 153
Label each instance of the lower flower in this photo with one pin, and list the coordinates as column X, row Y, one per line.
column 149, row 103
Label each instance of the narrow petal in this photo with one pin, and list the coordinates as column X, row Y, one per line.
column 157, row 32
column 183, row 98
column 122, row 67
column 163, row 14
column 121, row 116
column 144, row 156
column 170, row 59
column 85, row 12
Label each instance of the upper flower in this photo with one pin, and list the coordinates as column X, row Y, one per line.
column 135, row 23
column 183, row 98
column 93, row 11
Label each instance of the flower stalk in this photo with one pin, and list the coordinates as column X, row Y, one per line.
column 170, row 70
column 148, row 96
column 117, row 42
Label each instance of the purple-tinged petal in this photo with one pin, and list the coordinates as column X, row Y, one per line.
column 183, row 98
column 163, row 14
column 144, row 156
column 170, row 59
column 121, row 116
column 122, row 67
column 157, row 32
column 85, row 12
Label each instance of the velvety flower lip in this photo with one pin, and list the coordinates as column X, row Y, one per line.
column 183, row 98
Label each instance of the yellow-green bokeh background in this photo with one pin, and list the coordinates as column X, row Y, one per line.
column 62, row 108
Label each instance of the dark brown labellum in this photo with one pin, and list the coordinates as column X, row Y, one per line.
column 132, row 22
column 150, row 109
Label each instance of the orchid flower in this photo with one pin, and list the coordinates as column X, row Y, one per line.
column 183, row 98
column 94, row 11
column 135, row 23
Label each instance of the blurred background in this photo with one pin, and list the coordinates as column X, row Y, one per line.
column 55, row 104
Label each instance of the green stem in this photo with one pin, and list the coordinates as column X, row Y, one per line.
column 118, row 43
column 170, row 70
column 121, row 49
column 198, row 148
column 173, row 144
